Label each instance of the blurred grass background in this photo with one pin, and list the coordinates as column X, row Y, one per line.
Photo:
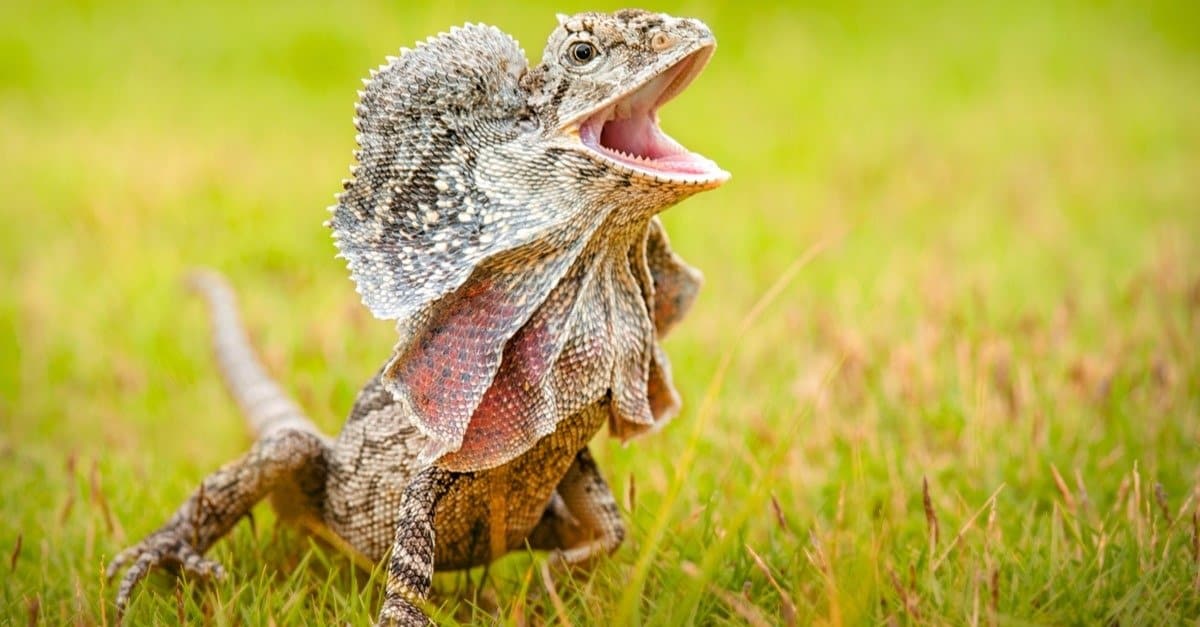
column 979, row 403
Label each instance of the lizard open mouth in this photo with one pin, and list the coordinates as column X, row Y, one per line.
column 626, row 130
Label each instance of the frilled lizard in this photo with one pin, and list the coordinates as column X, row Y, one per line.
column 504, row 216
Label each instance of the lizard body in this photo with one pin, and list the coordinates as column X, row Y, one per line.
column 504, row 216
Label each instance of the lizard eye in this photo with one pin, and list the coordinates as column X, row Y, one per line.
column 581, row 52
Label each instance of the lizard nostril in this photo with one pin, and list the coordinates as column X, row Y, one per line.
column 661, row 41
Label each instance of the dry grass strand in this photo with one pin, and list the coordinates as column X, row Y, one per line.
column 931, row 519
column 788, row 612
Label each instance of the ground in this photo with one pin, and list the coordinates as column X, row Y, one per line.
column 945, row 367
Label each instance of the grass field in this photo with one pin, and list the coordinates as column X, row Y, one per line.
column 978, row 401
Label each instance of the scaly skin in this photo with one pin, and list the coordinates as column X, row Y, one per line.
column 531, row 283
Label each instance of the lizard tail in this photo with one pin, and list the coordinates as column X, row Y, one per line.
column 266, row 406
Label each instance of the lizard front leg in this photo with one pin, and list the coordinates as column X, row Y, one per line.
column 215, row 507
column 410, row 567
column 582, row 521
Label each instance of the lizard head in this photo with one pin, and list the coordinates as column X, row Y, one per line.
column 602, row 80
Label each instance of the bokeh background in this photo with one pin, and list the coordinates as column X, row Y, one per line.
column 979, row 402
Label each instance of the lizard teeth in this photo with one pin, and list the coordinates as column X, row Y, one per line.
column 628, row 155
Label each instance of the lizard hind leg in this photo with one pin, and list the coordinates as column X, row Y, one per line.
column 582, row 522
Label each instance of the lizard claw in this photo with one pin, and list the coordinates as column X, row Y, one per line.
column 163, row 548
column 557, row 565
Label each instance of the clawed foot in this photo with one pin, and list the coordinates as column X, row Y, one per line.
column 579, row 559
column 162, row 548
column 557, row 566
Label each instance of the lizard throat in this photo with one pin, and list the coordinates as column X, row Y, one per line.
column 626, row 132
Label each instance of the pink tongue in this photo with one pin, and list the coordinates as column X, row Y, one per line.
column 638, row 136
column 686, row 162
column 633, row 136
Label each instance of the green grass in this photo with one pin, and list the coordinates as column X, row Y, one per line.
column 1005, row 305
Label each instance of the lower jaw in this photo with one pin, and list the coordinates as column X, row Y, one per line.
column 682, row 168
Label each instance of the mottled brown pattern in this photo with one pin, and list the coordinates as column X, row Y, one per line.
column 531, row 283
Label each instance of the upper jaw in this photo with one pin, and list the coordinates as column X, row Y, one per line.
column 623, row 130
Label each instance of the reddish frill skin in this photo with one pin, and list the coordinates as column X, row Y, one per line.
column 505, row 217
